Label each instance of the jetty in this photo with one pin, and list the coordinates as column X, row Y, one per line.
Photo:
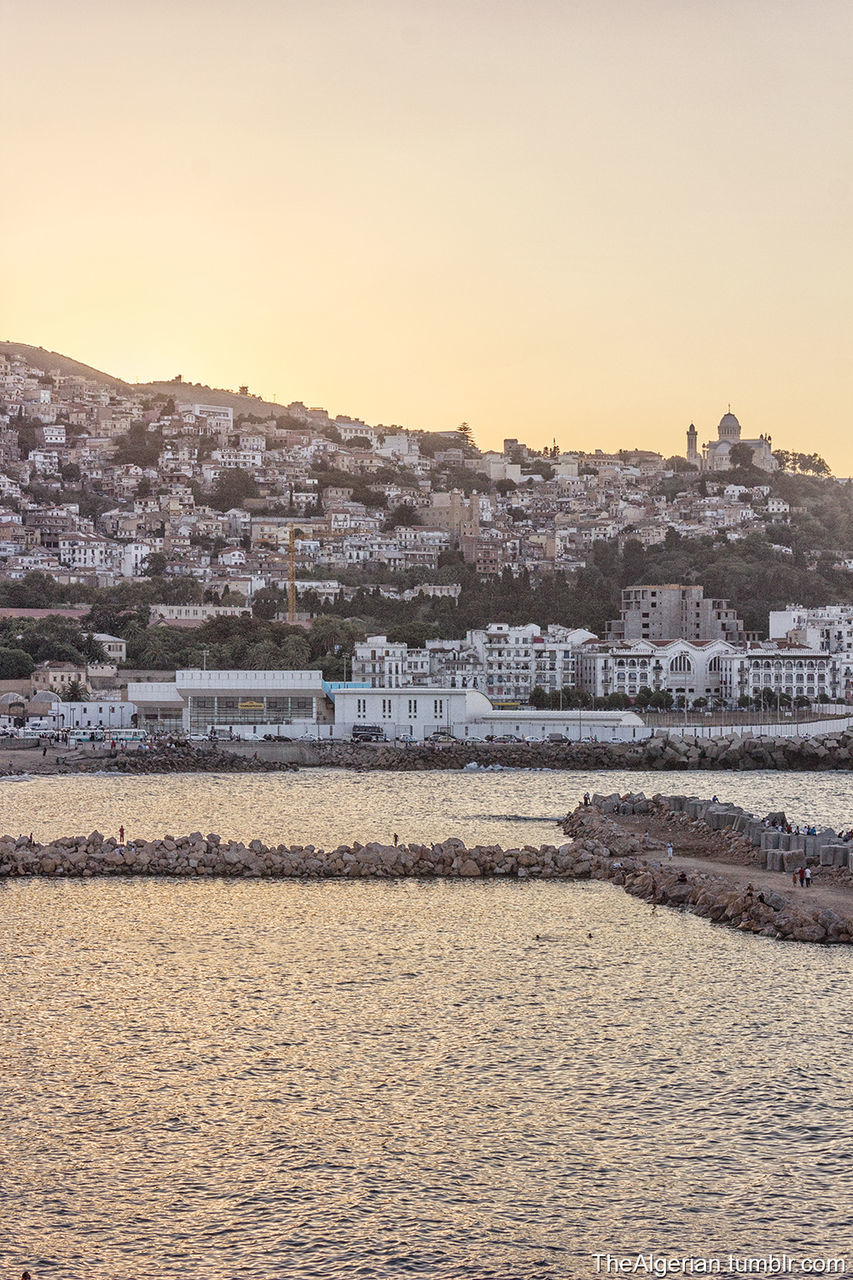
column 605, row 844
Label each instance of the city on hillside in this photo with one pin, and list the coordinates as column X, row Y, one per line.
column 177, row 558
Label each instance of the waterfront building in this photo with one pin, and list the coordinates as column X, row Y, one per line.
column 243, row 703
column 505, row 662
column 686, row 669
column 795, row 671
column 468, row 714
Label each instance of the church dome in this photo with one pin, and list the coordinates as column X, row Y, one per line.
column 729, row 428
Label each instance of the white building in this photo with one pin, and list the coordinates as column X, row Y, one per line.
column 468, row 714
column 244, row 703
column 684, row 668
column 502, row 661
column 828, row 627
column 215, row 416
column 114, row 646
column 109, row 714
column 792, row 670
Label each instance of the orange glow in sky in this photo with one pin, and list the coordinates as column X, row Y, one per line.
column 589, row 220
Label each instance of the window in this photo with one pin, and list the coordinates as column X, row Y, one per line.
column 438, row 708
column 413, row 708
column 361, row 708
column 386, row 708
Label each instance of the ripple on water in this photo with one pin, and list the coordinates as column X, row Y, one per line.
column 378, row 1079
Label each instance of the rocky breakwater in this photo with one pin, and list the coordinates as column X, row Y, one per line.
column 664, row 751
column 595, row 828
column 173, row 757
column 212, row 855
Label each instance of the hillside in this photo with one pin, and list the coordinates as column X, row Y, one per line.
column 45, row 360
column 182, row 392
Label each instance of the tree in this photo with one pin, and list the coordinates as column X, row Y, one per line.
column 155, row 565
column 402, row 514
column 538, row 698
column 661, row 700
column 15, row 664
column 741, row 455
column 266, row 603
column 679, row 465
column 466, row 431
column 295, row 652
column 140, row 447
column 232, row 488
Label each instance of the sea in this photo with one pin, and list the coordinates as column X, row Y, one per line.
column 488, row 1080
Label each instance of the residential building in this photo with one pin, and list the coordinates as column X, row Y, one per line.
column 672, row 612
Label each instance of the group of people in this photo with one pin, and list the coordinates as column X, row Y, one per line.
column 803, row 876
column 791, row 831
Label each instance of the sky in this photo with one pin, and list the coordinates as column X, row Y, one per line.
column 582, row 221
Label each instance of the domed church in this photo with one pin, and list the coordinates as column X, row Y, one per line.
column 715, row 454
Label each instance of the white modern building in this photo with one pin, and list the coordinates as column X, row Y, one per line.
column 468, row 714
column 242, row 703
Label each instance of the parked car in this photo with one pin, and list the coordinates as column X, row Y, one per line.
column 556, row 737
column 407, row 739
column 368, row 733
column 441, row 735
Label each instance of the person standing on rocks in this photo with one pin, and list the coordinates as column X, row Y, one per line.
column 808, row 875
column 669, row 851
column 121, row 835
column 794, row 879
column 802, row 874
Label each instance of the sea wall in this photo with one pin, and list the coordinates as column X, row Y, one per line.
column 598, row 851
column 663, row 752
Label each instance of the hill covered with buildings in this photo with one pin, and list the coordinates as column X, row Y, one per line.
column 193, row 525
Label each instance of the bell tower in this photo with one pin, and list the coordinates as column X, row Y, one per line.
column 692, row 449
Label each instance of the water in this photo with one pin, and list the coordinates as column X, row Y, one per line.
column 330, row 806
column 380, row 1079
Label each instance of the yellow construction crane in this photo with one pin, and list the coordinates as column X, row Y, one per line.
column 291, row 565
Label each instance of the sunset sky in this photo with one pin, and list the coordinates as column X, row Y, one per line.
column 588, row 220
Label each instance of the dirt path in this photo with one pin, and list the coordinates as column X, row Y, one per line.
column 693, row 850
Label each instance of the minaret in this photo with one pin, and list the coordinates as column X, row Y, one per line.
column 692, row 449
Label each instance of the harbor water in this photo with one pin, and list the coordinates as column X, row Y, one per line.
column 400, row 1078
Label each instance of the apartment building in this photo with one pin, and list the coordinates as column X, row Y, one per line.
column 673, row 612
